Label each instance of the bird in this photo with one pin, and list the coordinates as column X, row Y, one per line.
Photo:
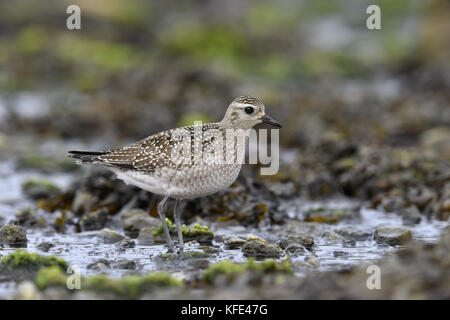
column 186, row 162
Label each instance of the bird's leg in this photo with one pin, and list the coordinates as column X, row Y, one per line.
column 151, row 204
column 161, row 208
column 177, row 216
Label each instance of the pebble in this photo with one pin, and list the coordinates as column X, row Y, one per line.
column 392, row 235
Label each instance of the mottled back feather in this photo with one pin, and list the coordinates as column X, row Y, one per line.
column 156, row 150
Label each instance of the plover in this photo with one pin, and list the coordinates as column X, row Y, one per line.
column 187, row 162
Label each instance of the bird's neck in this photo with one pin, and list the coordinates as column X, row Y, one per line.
column 232, row 125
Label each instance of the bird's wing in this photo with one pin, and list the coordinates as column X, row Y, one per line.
column 144, row 155
column 165, row 149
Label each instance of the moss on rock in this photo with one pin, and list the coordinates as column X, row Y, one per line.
column 31, row 260
column 50, row 276
column 197, row 232
column 393, row 235
column 40, row 189
column 185, row 255
column 130, row 286
column 260, row 249
column 13, row 235
column 230, row 270
column 331, row 215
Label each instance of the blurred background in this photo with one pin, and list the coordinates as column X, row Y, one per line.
column 138, row 67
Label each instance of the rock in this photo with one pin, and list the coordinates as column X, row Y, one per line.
column 421, row 197
column 437, row 140
column 82, row 202
column 260, row 249
column 282, row 189
column 312, row 261
column 28, row 218
column 198, row 264
column 125, row 264
column 444, row 242
column 27, row 291
column 99, row 265
column 410, row 216
column 330, row 215
column 233, row 241
column 254, row 237
column 349, row 243
column 126, row 243
column 293, row 241
column 195, row 232
column 95, row 220
column 303, row 240
column 181, row 256
column 111, row 236
column 393, row 204
column 137, row 219
column 442, row 206
column 283, row 243
column 332, row 237
column 145, row 237
column 295, row 249
column 42, row 189
column 444, row 210
column 356, row 233
column 392, row 235
column 13, row 235
column 225, row 272
column 45, row 246
column 210, row 250
column 218, row 237
column 320, row 184
column 340, row 254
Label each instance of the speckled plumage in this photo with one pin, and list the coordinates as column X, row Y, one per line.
column 150, row 165
column 160, row 164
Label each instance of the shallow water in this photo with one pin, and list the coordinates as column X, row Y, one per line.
column 82, row 249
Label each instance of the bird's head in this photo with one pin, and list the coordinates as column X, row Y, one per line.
column 245, row 112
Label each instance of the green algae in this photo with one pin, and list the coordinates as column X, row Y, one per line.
column 37, row 189
column 196, row 232
column 32, row 260
column 43, row 183
column 230, row 270
column 50, row 276
column 183, row 255
column 130, row 286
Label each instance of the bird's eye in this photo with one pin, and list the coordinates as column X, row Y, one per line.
column 249, row 110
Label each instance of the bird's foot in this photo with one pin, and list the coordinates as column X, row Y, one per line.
column 171, row 249
column 180, row 249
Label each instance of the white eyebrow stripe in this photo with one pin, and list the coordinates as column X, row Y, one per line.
column 243, row 105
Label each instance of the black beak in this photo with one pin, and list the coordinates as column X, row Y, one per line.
column 271, row 121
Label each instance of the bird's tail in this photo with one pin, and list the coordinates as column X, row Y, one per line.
column 86, row 156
